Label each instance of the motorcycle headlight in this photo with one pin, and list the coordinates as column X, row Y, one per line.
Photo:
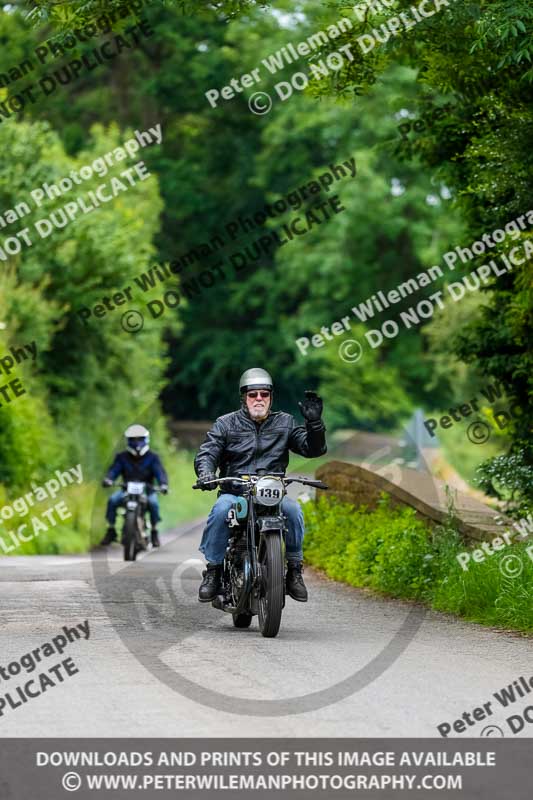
column 269, row 491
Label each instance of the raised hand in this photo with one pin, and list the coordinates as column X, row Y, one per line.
column 311, row 407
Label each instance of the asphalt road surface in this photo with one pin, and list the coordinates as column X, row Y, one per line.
column 158, row 663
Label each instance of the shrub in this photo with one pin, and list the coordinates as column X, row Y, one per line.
column 509, row 477
column 393, row 551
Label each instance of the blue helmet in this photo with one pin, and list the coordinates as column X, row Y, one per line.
column 137, row 440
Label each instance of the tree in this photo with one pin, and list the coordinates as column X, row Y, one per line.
column 88, row 374
column 479, row 55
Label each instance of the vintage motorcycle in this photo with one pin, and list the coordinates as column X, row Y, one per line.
column 135, row 534
column 253, row 579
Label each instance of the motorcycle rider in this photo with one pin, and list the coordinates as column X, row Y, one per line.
column 136, row 463
column 256, row 440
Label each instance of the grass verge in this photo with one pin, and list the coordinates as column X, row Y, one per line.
column 86, row 504
column 393, row 552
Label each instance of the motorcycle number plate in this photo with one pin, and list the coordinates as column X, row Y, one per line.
column 269, row 491
column 135, row 488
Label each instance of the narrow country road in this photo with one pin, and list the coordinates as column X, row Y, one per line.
column 157, row 662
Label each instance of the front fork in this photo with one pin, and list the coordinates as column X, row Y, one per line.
column 253, row 583
column 269, row 528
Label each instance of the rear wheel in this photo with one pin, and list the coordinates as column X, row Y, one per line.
column 242, row 620
column 273, row 585
column 129, row 536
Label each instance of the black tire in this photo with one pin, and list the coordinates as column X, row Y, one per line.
column 242, row 620
column 141, row 530
column 129, row 536
column 271, row 602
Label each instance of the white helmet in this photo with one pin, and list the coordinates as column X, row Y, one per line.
column 137, row 440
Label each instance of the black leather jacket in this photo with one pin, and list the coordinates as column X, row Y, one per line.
column 239, row 446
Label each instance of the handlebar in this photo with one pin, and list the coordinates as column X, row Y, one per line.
column 305, row 482
column 255, row 478
column 216, row 481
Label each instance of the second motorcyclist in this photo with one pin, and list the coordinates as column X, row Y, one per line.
column 136, row 463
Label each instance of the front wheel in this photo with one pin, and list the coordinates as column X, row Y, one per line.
column 273, row 585
column 129, row 536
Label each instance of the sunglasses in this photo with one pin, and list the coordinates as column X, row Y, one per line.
column 253, row 395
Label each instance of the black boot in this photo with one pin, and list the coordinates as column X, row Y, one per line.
column 155, row 538
column 295, row 583
column 211, row 584
column 111, row 536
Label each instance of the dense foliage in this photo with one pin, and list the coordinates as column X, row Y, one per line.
column 476, row 57
column 392, row 551
column 411, row 200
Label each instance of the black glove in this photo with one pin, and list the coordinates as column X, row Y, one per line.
column 311, row 407
column 107, row 482
column 164, row 488
column 207, row 476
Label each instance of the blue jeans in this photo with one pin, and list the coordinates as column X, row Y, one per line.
column 216, row 532
column 117, row 499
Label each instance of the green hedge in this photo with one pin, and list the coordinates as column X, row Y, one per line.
column 392, row 551
column 86, row 502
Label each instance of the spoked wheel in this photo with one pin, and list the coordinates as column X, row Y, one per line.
column 129, row 537
column 242, row 620
column 273, row 580
column 141, row 532
column 239, row 580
